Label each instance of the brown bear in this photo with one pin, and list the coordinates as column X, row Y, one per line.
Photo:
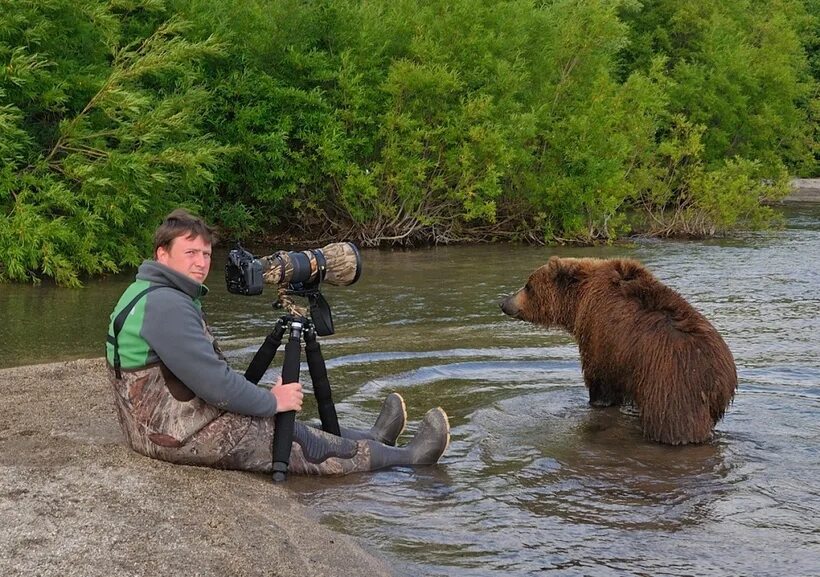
column 639, row 340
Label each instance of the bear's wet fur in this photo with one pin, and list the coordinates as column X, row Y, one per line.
column 639, row 341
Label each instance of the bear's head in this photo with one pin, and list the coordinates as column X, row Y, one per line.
column 553, row 291
column 551, row 294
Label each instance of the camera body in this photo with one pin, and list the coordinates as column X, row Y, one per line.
column 243, row 273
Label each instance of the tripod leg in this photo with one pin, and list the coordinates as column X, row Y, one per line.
column 263, row 357
column 284, row 422
column 321, row 384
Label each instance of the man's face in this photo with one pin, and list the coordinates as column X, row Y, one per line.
column 189, row 256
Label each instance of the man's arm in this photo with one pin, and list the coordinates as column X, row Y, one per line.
column 173, row 329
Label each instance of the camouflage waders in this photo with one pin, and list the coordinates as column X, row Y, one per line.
column 161, row 418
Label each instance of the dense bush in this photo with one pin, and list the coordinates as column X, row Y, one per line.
column 395, row 121
column 98, row 137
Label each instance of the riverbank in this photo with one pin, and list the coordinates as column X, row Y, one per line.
column 75, row 501
column 804, row 190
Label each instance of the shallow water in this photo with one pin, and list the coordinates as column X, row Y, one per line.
column 535, row 481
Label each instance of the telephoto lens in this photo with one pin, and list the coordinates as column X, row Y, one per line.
column 338, row 264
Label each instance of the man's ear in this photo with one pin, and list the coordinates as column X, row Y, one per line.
column 161, row 255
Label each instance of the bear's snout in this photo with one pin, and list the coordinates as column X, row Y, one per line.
column 509, row 305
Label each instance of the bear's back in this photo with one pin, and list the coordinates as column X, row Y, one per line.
column 657, row 302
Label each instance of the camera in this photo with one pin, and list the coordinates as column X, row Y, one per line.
column 243, row 273
column 296, row 273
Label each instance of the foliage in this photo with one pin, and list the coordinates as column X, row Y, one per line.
column 449, row 93
column 680, row 197
column 395, row 122
column 588, row 130
column 111, row 145
column 739, row 108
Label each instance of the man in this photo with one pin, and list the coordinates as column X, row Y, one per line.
column 178, row 400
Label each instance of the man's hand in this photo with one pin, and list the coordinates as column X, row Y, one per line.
column 288, row 397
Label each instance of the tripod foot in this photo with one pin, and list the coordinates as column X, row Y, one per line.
column 280, row 472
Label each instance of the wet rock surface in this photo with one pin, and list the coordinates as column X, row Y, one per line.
column 75, row 501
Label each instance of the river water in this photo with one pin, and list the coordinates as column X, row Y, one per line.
column 536, row 482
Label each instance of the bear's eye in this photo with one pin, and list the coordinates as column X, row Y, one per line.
column 528, row 288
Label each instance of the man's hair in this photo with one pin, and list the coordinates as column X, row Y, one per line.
column 182, row 223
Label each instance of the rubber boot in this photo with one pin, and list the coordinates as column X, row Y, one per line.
column 426, row 447
column 389, row 424
column 320, row 453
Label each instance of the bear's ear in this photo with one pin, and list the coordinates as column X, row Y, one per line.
column 626, row 270
column 564, row 272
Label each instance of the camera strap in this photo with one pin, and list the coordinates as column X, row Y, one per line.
column 119, row 321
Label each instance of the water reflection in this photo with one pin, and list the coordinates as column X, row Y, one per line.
column 45, row 323
column 607, row 476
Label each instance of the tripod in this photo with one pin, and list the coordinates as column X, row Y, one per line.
column 298, row 327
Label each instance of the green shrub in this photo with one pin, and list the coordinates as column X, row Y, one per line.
column 109, row 148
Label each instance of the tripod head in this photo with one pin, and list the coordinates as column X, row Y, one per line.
column 318, row 308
